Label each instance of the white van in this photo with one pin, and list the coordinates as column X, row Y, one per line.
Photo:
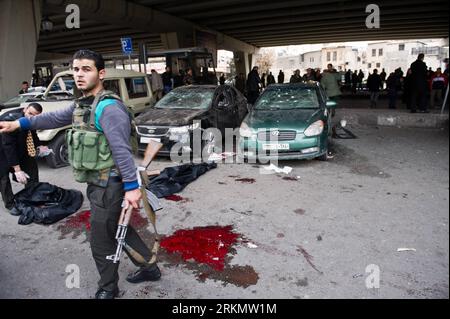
column 133, row 87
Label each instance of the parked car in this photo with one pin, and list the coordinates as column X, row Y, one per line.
column 293, row 121
column 34, row 96
column 133, row 87
column 171, row 121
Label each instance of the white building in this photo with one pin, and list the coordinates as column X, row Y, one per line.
column 286, row 63
column 342, row 57
column 391, row 55
column 365, row 56
column 311, row 60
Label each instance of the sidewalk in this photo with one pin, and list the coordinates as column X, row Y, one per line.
column 357, row 112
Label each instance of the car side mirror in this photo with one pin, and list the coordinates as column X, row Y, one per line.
column 331, row 104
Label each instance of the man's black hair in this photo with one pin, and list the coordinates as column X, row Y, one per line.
column 36, row 106
column 91, row 55
column 24, row 82
column 421, row 56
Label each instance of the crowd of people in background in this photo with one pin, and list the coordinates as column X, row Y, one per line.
column 421, row 88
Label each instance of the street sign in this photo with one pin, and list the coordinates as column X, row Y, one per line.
column 127, row 46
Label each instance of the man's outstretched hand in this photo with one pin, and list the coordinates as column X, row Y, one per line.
column 9, row 127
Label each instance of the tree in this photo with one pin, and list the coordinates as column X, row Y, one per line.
column 265, row 60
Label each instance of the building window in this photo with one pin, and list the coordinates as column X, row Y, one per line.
column 380, row 52
column 334, row 56
column 328, row 56
column 369, row 65
column 374, row 52
column 302, row 58
column 378, row 65
column 401, row 47
column 359, row 59
column 311, row 60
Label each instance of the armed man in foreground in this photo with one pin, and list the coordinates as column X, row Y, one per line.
column 100, row 152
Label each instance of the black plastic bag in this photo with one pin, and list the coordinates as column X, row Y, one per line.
column 173, row 180
column 46, row 204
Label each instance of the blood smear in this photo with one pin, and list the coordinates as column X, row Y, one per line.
column 205, row 245
column 79, row 221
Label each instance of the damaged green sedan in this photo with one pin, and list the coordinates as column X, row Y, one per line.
column 288, row 121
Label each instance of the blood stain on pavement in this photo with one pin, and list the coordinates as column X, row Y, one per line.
column 291, row 179
column 75, row 225
column 206, row 245
column 177, row 198
column 207, row 251
column 246, row 180
column 80, row 223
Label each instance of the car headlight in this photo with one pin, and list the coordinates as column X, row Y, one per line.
column 315, row 129
column 245, row 130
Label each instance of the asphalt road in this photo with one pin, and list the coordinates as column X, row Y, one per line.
column 310, row 235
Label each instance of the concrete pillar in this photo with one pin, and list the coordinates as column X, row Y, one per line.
column 242, row 62
column 20, row 22
column 178, row 40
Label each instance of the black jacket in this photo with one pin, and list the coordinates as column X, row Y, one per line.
column 253, row 81
column 374, row 83
column 13, row 146
column 419, row 74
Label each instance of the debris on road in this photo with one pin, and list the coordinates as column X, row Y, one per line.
column 275, row 169
column 246, row 180
column 406, row 249
column 308, row 258
column 215, row 157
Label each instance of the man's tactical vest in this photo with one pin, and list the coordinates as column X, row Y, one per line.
column 88, row 149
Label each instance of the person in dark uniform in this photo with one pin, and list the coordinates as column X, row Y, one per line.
column 100, row 153
column 18, row 155
column 419, row 85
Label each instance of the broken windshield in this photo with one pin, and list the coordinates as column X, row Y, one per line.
column 288, row 98
column 187, row 99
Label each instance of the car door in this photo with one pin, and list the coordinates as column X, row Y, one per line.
column 241, row 104
column 323, row 101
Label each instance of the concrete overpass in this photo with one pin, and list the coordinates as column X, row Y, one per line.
column 241, row 26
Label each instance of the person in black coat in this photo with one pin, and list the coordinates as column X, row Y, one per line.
column 391, row 85
column 281, row 77
column 253, row 85
column 14, row 155
column 419, row 85
column 374, row 84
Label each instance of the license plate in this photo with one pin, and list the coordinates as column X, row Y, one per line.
column 275, row 147
column 147, row 140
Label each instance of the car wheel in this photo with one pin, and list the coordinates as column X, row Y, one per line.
column 59, row 157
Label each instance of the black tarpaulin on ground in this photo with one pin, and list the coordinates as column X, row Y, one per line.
column 173, row 180
column 46, row 204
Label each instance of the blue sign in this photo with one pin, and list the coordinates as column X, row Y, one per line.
column 127, row 46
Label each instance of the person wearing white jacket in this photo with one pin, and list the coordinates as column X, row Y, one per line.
column 157, row 85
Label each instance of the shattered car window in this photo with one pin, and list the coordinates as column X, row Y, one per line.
column 187, row 99
column 288, row 98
